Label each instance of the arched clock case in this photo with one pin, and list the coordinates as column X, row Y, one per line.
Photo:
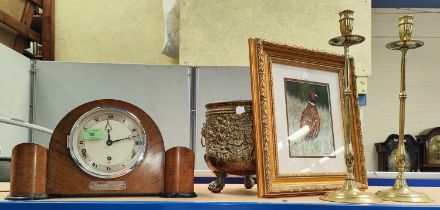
column 101, row 148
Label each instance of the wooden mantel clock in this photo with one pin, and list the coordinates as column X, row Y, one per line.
column 101, row 148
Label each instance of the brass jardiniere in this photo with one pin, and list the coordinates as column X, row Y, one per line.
column 229, row 142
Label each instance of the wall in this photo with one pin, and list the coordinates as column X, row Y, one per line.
column 13, row 8
column 216, row 32
column 212, row 32
column 110, row 31
column 381, row 116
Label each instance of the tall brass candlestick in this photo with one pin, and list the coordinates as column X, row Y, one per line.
column 400, row 191
column 349, row 193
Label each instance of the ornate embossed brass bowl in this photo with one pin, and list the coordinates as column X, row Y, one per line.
column 229, row 142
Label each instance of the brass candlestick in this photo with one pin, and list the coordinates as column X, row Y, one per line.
column 400, row 191
column 349, row 193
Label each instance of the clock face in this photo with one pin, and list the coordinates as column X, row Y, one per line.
column 107, row 142
column 434, row 150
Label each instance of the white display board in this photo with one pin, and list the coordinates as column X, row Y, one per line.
column 217, row 84
column 160, row 90
column 14, row 93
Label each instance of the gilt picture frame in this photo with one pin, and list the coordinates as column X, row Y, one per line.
column 298, row 118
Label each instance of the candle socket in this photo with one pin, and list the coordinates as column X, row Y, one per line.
column 346, row 22
column 405, row 27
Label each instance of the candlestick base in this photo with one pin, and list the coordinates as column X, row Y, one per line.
column 350, row 193
column 400, row 192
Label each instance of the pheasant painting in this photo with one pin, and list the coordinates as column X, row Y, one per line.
column 310, row 116
column 309, row 119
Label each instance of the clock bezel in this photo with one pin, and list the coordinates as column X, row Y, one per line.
column 70, row 146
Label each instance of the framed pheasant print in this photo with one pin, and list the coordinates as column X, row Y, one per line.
column 308, row 105
column 298, row 113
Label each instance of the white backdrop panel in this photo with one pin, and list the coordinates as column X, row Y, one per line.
column 218, row 84
column 14, row 93
column 160, row 90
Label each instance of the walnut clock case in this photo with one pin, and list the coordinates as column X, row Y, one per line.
column 104, row 147
column 429, row 141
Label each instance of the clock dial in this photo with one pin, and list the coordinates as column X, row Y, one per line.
column 434, row 150
column 107, row 142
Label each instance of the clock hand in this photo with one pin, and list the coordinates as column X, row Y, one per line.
column 126, row 138
column 108, row 127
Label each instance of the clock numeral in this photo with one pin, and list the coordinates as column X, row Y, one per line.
column 123, row 165
column 81, row 142
column 137, row 142
column 109, row 169
column 96, row 119
column 84, row 153
column 110, row 116
column 134, row 129
column 95, row 165
column 123, row 120
column 133, row 153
